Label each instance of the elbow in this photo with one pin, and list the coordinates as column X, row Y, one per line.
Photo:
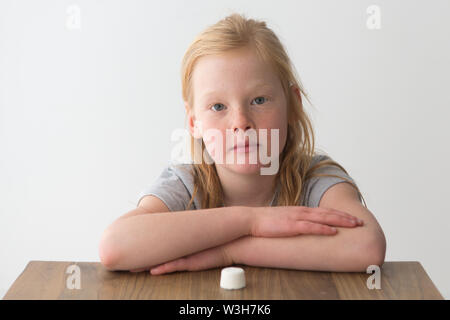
column 374, row 251
column 108, row 252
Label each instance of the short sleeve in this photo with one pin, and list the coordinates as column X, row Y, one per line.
column 170, row 189
column 315, row 187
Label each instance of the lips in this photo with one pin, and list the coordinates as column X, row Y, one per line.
column 244, row 145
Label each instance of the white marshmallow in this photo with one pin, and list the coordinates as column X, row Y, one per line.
column 232, row 278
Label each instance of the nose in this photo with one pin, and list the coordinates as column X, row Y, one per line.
column 241, row 122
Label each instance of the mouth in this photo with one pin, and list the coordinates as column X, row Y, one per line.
column 244, row 148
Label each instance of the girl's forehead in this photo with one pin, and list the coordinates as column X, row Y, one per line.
column 214, row 73
column 243, row 60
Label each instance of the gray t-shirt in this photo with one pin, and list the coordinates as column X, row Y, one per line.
column 175, row 185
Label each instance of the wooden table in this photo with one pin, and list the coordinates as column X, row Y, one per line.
column 48, row 280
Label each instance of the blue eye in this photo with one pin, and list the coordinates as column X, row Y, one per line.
column 217, row 104
column 260, row 100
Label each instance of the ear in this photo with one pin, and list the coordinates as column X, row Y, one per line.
column 194, row 126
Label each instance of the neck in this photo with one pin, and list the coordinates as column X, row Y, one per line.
column 253, row 190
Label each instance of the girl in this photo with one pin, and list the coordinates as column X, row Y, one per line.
column 237, row 79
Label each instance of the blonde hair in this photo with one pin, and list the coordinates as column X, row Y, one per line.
column 234, row 32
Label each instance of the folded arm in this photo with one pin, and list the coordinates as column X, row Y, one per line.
column 350, row 250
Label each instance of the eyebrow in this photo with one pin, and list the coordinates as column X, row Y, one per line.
column 256, row 86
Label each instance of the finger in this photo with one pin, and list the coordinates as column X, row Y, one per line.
column 323, row 210
column 330, row 216
column 333, row 211
column 332, row 219
column 342, row 213
column 307, row 227
column 158, row 269
column 171, row 266
column 307, row 212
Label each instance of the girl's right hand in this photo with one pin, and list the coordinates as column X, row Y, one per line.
column 286, row 221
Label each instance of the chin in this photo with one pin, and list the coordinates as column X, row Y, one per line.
column 245, row 168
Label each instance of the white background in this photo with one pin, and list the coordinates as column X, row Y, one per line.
column 86, row 114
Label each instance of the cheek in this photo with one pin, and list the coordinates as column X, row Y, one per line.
column 214, row 139
column 277, row 121
column 280, row 123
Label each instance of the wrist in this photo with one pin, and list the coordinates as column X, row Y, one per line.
column 235, row 250
column 245, row 216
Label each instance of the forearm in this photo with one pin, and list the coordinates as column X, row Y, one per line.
column 350, row 250
column 150, row 239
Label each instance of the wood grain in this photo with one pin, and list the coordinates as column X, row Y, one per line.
column 47, row 280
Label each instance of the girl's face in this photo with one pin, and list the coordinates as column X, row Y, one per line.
column 233, row 93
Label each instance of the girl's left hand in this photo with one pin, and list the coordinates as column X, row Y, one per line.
column 206, row 259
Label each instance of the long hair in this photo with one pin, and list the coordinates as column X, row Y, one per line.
column 234, row 32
